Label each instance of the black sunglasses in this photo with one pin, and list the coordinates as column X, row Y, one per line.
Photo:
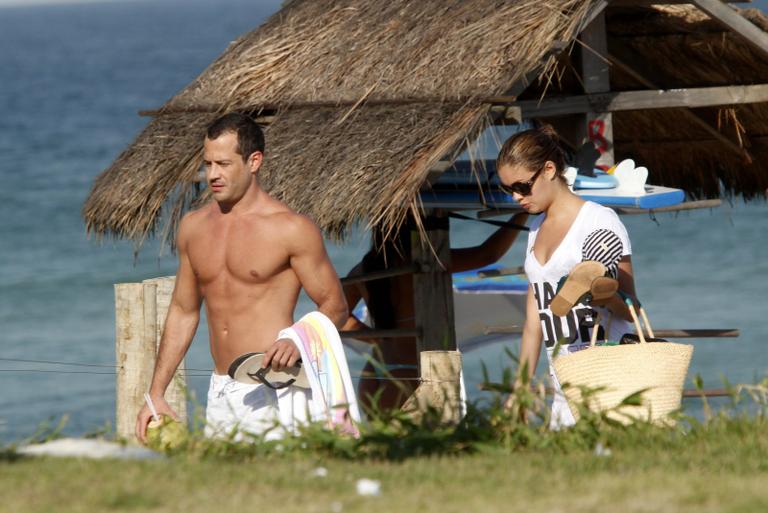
column 521, row 188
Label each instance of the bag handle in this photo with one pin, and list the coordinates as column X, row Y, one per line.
column 645, row 321
column 593, row 338
column 633, row 313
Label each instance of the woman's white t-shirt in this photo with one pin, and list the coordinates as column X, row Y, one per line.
column 596, row 234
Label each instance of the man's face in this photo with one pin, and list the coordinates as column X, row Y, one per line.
column 228, row 176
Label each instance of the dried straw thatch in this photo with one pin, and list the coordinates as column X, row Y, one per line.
column 678, row 47
column 368, row 95
column 339, row 164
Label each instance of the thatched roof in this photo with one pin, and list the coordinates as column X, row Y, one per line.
column 684, row 48
column 368, row 95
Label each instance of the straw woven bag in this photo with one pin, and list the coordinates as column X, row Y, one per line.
column 659, row 368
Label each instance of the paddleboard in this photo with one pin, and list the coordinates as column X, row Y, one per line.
column 655, row 196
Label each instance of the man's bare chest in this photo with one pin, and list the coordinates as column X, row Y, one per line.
column 253, row 254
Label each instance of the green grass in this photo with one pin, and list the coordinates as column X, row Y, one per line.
column 491, row 462
column 721, row 467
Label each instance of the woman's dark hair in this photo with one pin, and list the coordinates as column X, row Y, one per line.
column 532, row 148
column 385, row 253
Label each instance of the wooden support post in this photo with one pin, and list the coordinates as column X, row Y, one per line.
column 440, row 388
column 597, row 126
column 432, row 285
column 135, row 356
column 140, row 311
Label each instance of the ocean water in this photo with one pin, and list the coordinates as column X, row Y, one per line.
column 72, row 79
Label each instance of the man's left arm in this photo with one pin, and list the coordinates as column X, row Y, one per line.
column 310, row 262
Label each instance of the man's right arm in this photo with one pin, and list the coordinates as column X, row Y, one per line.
column 180, row 326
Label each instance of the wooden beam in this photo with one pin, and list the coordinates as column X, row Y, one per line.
column 696, row 333
column 432, row 286
column 369, row 334
column 735, row 22
column 620, row 55
column 514, row 329
column 687, row 393
column 595, row 127
column 597, row 10
column 712, row 392
column 505, row 271
column 646, row 100
column 688, row 205
column 377, row 275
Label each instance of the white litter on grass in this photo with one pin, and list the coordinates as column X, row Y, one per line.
column 87, row 448
column 601, row 450
column 368, row 487
column 320, row 472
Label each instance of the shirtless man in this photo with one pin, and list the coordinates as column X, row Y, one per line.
column 247, row 255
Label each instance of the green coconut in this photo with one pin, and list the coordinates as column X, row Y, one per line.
column 166, row 434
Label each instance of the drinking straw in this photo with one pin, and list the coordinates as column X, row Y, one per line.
column 151, row 405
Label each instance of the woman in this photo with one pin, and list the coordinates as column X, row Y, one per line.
column 390, row 306
column 531, row 166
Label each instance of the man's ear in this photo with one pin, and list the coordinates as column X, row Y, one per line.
column 254, row 161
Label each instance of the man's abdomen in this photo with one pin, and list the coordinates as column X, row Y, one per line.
column 247, row 318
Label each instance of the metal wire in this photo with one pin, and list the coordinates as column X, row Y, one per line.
column 187, row 374
column 77, row 364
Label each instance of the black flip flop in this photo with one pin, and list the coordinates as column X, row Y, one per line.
column 248, row 369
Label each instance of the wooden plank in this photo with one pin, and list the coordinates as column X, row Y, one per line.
column 432, row 286
column 732, row 20
column 645, row 100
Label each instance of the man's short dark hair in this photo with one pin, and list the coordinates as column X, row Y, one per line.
column 250, row 138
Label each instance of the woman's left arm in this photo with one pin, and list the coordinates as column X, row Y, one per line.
column 627, row 286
